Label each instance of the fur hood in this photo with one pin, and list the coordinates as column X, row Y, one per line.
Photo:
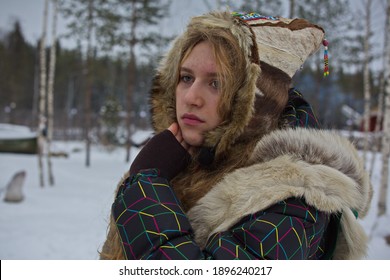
column 319, row 166
column 274, row 49
column 164, row 87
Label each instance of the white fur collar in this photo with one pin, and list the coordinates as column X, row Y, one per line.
column 320, row 166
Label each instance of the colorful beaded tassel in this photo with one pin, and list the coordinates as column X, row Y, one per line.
column 326, row 58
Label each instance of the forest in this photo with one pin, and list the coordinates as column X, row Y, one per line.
column 112, row 74
column 102, row 85
column 96, row 94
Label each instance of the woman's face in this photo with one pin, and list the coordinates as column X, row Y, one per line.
column 197, row 94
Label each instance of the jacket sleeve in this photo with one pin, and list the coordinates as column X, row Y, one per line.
column 150, row 220
column 152, row 225
column 288, row 230
column 298, row 112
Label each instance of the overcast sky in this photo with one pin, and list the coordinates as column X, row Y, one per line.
column 30, row 13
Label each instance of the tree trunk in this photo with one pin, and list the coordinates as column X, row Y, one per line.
column 50, row 97
column 382, row 203
column 88, row 93
column 379, row 118
column 378, row 123
column 130, row 85
column 367, row 88
column 42, row 96
column 129, row 96
column 292, row 9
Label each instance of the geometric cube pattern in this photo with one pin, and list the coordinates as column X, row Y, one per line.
column 299, row 113
column 152, row 225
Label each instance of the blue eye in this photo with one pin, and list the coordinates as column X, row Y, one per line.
column 215, row 84
column 185, row 78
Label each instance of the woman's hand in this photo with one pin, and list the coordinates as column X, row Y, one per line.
column 176, row 131
column 166, row 151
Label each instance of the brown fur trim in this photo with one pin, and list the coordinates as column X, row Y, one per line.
column 279, row 171
column 241, row 113
column 255, row 53
column 295, row 24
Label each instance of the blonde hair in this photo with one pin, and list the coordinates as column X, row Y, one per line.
column 229, row 56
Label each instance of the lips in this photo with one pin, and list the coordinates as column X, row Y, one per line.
column 190, row 119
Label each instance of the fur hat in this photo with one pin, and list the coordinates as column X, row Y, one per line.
column 274, row 48
column 284, row 43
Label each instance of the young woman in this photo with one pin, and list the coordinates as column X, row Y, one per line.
column 238, row 168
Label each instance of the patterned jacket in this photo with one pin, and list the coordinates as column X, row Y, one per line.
column 288, row 204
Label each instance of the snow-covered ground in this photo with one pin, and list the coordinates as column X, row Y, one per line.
column 68, row 221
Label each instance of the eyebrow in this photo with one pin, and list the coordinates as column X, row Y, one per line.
column 210, row 74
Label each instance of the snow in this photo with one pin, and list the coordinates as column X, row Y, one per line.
column 68, row 221
column 8, row 131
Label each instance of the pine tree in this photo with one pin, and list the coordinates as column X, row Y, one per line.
column 123, row 21
column 115, row 24
column 110, row 118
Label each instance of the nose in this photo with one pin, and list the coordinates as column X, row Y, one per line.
column 193, row 95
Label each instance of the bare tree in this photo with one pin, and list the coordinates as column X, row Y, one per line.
column 366, row 72
column 382, row 203
column 292, row 9
column 379, row 117
column 42, row 96
column 273, row 8
column 88, row 92
column 378, row 122
column 130, row 84
column 219, row 4
column 82, row 24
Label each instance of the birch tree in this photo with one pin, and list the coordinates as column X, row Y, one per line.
column 50, row 95
column 42, row 95
column 382, row 203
